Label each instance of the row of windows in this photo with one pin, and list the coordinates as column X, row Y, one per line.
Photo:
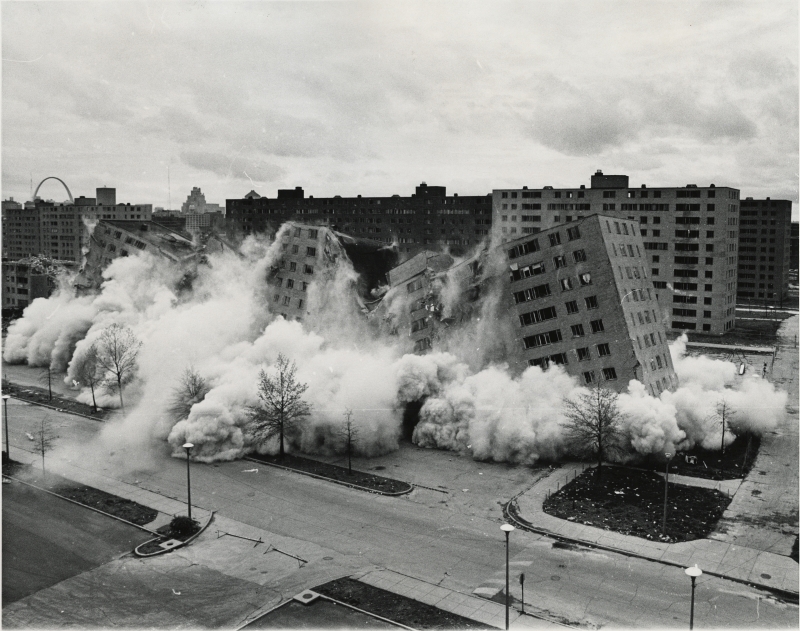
column 534, row 269
column 549, row 313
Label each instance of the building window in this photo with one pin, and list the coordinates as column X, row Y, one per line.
column 577, row 330
column 573, row 233
column 588, row 377
column 289, row 283
column 540, row 315
column 555, row 238
column 295, row 249
column 572, row 306
column 543, row 339
column 591, row 303
column 300, row 303
column 286, row 300
column 609, row 374
column 292, row 266
column 566, row 284
column 597, row 326
column 559, row 261
column 311, row 251
column 422, row 345
column 585, row 279
column 579, row 256
column 603, row 350
column 583, row 354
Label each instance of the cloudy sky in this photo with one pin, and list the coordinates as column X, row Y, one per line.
column 371, row 98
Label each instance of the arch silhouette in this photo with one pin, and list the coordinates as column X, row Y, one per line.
column 53, row 177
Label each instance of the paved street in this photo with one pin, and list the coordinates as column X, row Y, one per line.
column 451, row 540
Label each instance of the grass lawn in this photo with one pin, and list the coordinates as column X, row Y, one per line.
column 86, row 495
column 393, row 606
column 631, row 502
column 713, row 465
column 334, row 472
column 41, row 395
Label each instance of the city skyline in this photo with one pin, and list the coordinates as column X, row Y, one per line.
column 373, row 98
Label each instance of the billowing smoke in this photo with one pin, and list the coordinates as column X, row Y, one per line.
column 225, row 327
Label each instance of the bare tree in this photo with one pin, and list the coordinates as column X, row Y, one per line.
column 349, row 434
column 191, row 389
column 594, row 423
column 724, row 414
column 282, row 407
column 44, row 439
column 88, row 372
column 46, row 376
column 117, row 352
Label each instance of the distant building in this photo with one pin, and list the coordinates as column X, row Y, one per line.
column 764, row 250
column 27, row 279
column 576, row 295
column 61, row 231
column 691, row 234
column 106, row 196
column 427, row 220
column 173, row 219
column 112, row 239
column 793, row 246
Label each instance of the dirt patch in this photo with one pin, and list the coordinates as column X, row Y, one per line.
column 167, row 532
column 735, row 463
column 334, row 472
column 40, row 395
column 631, row 502
column 87, row 495
column 395, row 607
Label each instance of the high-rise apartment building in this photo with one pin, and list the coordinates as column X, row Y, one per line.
column 691, row 235
column 577, row 295
column 764, row 250
column 428, row 219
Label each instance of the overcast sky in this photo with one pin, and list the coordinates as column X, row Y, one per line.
column 372, row 98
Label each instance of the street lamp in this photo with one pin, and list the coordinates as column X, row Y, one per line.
column 693, row 573
column 666, row 491
column 6, row 397
column 188, row 448
column 507, row 528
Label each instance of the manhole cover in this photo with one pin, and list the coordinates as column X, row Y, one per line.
column 555, row 577
column 327, row 558
column 765, row 576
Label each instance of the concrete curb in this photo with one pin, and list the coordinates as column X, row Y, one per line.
column 510, row 512
column 96, row 510
column 322, row 477
column 147, row 555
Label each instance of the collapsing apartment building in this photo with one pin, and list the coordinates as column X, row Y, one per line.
column 576, row 295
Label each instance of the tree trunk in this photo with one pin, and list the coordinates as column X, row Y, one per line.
column 349, row 458
column 723, row 435
column 599, row 463
column 49, row 388
column 280, row 437
column 119, row 385
column 94, row 401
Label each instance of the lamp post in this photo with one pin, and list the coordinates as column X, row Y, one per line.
column 188, row 448
column 666, row 492
column 522, row 587
column 507, row 528
column 693, row 573
column 5, row 416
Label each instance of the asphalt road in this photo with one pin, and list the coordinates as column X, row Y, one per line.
column 47, row 539
column 450, row 538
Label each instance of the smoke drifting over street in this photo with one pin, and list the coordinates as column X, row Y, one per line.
column 223, row 328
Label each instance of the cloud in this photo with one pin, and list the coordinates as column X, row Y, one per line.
column 233, row 166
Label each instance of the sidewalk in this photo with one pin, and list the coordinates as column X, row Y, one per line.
column 724, row 559
column 472, row 607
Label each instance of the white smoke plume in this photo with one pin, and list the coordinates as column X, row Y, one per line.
column 224, row 327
